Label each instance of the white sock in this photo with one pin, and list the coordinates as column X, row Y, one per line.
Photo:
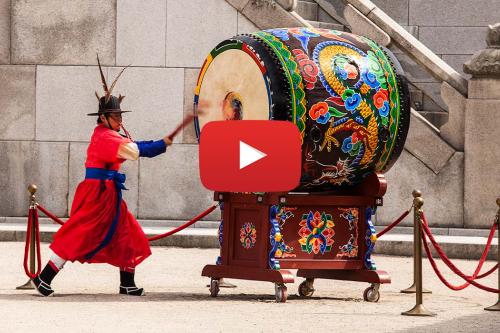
column 57, row 261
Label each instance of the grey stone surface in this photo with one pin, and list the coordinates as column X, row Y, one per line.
column 170, row 187
column 486, row 62
column 5, row 31
column 324, row 17
column 453, row 130
column 432, row 96
column 17, row 102
column 457, row 62
column 140, row 32
column 323, row 25
column 436, row 118
column 238, row 4
column 454, row 13
column 424, row 143
column 410, row 45
column 308, row 10
column 155, row 96
column 397, row 9
column 190, row 79
column 189, row 38
column 442, row 193
column 63, row 32
column 484, row 88
column 482, row 160
column 361, row 25
column 64, row 96
column 41, row 163
column 365, row 7
column 453, row 40
column 267, row 17
column 413, row 71
column 245, row 26
column 77, row 157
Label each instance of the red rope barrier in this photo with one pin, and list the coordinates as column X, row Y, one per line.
column 49, row 214
column 185, row 225
column 393, row 224
column 32, row 223
column 469, row 279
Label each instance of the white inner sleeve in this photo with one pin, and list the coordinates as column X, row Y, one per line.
column 128, row 151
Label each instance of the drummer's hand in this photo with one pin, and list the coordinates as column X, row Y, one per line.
column 167, row 141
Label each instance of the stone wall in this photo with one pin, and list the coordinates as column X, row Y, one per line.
column 453, row 29
column 49, row 74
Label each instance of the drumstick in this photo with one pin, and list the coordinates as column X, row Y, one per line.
column 176, row 131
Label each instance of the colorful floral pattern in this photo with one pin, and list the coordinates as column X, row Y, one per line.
column 316, row 232
column 248, row 235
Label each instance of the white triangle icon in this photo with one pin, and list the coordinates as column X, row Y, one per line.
column 249, row 155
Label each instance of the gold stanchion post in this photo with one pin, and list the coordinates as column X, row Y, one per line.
column 418, row 309
column 32, row 190
column 496, row 307
column 413, row 288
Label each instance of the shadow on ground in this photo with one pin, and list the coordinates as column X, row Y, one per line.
column 161, row 297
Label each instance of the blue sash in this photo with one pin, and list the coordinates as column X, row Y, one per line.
column 119, row 180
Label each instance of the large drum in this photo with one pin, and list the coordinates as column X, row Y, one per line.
column 345, row 93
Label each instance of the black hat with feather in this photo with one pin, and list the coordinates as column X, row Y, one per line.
column 108, row 103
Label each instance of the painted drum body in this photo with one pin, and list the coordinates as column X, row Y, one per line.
column 346, row 94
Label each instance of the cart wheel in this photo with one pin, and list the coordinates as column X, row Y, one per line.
column 306, row 288
column 371, row 294
column 280, row 292
column 214, row 287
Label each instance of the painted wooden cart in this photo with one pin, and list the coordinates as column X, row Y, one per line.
column 326, row 235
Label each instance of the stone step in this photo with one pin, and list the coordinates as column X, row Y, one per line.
column 325, row 25
column 460, row 244
column 308, row 10
column 437, row 118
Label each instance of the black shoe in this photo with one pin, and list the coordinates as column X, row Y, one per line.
column 132, row 291
column 43, row 288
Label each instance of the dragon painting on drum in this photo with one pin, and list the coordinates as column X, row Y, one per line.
column 346, row 94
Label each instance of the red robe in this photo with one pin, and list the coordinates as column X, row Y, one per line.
column 93, row 210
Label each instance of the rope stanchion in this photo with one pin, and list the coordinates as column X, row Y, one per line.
column 32, row 245
column 413, row 288
column 448, row 262
column 185, row 225
column 393, row 224
column 418, row 309
column 469, row 279
column 49, row 214
column 496, row 306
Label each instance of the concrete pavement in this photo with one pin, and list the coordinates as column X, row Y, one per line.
column 86, row 300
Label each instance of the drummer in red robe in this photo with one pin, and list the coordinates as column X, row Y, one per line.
column 101, row 229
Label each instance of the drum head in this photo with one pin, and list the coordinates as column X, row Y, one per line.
column 232, row 87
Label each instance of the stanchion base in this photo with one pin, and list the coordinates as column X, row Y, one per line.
column 495, row 307
column 413, row 289
column 419, row 310
column 27, row 285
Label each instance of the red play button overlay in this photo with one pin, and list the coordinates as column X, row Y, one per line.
column 250, row 156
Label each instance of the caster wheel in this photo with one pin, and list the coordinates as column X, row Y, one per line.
column 280, row 293
column 214, row 287
column 306, row 289
column 371, row 294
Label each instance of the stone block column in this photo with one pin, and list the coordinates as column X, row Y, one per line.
column 482, row 134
